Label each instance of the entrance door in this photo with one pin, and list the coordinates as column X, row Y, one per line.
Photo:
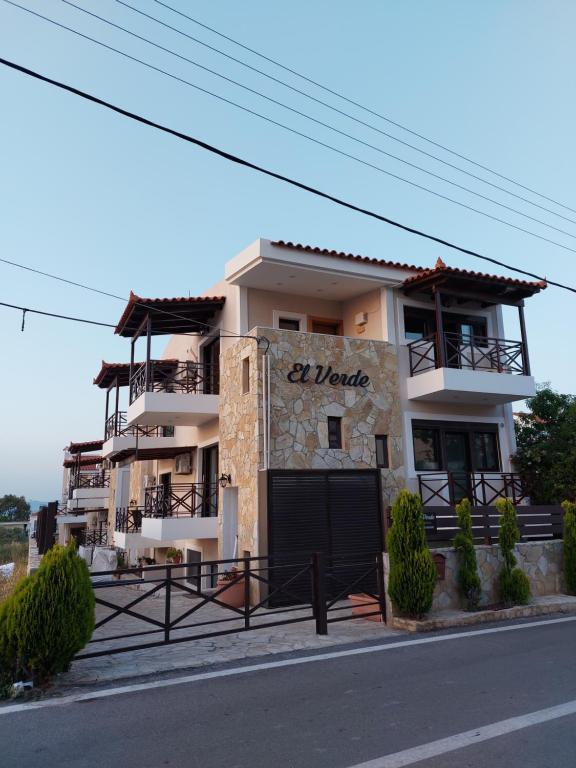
column 457, row 447
column 211, row 372
column 210, row 481
column 193, row 573
column 329, row 327
column 164, row 493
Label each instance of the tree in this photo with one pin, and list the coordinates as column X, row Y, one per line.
column 513, row 584
column 14, row 508
column 569, row 546
column 468, row 579
column 412, row 570
column 546, row 440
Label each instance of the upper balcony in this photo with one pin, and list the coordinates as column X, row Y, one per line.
column 89, row 489
column 181, row 393
column 120, row 439
column 180, row 511
column 468, row 368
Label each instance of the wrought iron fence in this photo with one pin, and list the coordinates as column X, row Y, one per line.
column 116, row 426
column 93, row 537
column 244, row 591
column 90, row 479
column 188, row 377
column 481, row 488
column 467, row 352
column 129, row 519
column 181, row 500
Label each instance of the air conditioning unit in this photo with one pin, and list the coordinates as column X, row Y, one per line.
column 149, row 480
column 183, row 464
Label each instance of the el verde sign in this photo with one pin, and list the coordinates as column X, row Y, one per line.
column 302, row 373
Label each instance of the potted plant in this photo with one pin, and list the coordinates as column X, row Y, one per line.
column 234, row 594
column 174, row 555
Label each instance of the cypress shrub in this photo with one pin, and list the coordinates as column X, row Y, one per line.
column 513, row 584
column 50, row 617
column 468, row 579
column 412, row 571
column 569, row 546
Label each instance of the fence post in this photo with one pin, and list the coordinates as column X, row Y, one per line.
column 246, row 593
column 487, row 531
column 381, row 584
column 319, row 593
column 167, row 604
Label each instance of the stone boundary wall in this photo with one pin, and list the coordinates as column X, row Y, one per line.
column 541, row 561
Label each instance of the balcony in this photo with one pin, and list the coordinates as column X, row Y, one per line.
column 89, row 489
column 448, row 367
column 182, row 393
column 128, row 529
column 182, row 511
column 439, row 489
column 93, row 537
column 120, row 437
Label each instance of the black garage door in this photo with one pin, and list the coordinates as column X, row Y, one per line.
column 335, row 512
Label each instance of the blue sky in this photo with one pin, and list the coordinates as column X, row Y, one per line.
column 96, row 198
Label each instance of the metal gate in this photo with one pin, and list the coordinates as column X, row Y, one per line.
column 335, row 512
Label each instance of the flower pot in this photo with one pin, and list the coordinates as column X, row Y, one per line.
column 234, row 595
column 363, row 604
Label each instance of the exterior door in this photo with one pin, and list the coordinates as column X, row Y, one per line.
column 329, row 327
column 193, row 560
column 457, row 449
column 210, row 481
column 165, row 490
column 211, row 372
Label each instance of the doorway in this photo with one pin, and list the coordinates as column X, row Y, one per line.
column 210, row 481
column 211, row 367
column 457, row 449
column 325, row 326
column 193, row 567
column 164, row 491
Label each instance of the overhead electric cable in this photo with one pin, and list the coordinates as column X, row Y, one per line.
column 315, row 120
column 340, row 95
column 265, row 171
column 318, row 101
column 317, row 141
column 53, row 314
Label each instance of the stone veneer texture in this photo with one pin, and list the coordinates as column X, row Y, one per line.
column 541, row 561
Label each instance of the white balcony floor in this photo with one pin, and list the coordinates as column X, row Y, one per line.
column 449, row 385
column 182, row 409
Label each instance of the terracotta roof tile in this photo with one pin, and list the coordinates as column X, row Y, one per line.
column 440, row 267
column 349, row 256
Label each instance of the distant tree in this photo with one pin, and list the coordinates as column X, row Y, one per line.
column 14, row 508
column 546, row 453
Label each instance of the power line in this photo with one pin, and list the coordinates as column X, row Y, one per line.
column 26, row 310
column 340, row 95
column 314, row 120
column 310, row 138
column 265, row 171
column 323, row 103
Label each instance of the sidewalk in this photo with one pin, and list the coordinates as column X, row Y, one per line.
column 200, row 653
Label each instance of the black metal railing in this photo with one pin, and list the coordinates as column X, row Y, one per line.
column 188, row 377
column 89, row 479
column 129, row 519
column 481, row 488
column 181, row 500
column 93, row 537
column 116, row 426
column 471, row 353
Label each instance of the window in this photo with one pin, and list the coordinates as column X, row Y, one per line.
column 382, row 461
column 289, row 323
column 418, row 323
column 334, row 432
column 426, row 449
column 168, row 431
column 245, row 375
column 485, row 451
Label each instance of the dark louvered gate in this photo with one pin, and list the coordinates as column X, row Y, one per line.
column 336, row 512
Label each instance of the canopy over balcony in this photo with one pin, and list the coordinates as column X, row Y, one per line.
column 168, row 316
column 118, row 374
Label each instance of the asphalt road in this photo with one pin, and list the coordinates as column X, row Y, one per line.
column 332, row 713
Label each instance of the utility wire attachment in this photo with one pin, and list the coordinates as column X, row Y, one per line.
column 23, row 319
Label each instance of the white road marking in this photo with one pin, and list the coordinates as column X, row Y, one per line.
column 165, row 683
column 466, row 739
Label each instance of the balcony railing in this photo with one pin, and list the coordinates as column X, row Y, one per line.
column 181, row 500
column 93, row 537
column 90, row 479
column 470, row 353
column 481, row 488
column 116, row 426
column 186, row 377
column 129, row 519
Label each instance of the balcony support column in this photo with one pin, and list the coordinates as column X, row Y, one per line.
column 440, row 346
column 525, row 358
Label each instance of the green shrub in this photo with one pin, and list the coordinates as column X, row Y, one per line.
column 513, row 584
column 468, row 579
column 569, row 546
column 412, row 570
column 48, row 618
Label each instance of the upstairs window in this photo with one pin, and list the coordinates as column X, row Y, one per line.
column 382, row 460
column 289, row 323
column 245, row 375
column 334, row 432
